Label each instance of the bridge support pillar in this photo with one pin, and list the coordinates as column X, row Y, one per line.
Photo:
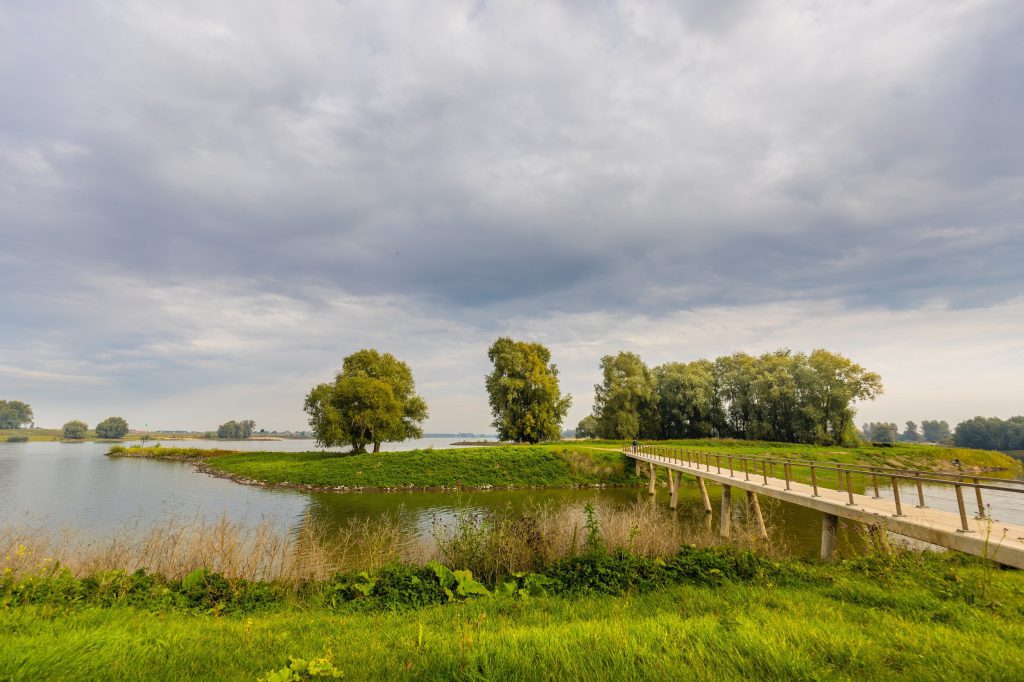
column 755, row 510
column 704, row 495
column 654, row 478
column 637, row 463
column 829, row 522
column 726, row 529
column 674, row 480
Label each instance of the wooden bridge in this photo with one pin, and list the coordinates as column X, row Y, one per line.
column 976, row 533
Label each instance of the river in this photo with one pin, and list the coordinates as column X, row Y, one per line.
column 75, row 487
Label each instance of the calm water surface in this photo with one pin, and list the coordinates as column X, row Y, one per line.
column 76, row 486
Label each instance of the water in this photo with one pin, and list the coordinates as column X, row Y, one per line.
column 75, row 486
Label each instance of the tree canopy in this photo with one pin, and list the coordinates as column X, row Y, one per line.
column 881, row 432
column 991, row 433
column 75, row 429
column 779, row 396
column 236, row 430
column 372, row 400
column 525, row 398
column 112, row 427
column 14, row 414
column 935, row 431
column 587, row 428
column 624, row 401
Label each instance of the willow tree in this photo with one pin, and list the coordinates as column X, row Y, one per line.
column 526, row 401
column 625, row 403
column 371, row 400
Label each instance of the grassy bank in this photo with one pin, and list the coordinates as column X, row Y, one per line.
column 583, row 463
column 897, row 617
column 470, row 468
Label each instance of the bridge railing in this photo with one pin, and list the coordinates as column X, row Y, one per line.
column 821, row 476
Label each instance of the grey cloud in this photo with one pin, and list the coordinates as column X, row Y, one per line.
column 481, row 162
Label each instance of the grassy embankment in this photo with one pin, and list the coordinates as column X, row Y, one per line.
column 50, row 435
column 702, row 615
column 585, row 463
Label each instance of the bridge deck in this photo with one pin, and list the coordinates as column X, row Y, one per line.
column 1001, row 542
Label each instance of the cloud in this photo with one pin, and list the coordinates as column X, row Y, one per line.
column 196, row 194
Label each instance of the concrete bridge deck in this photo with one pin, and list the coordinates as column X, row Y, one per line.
column 984, row 537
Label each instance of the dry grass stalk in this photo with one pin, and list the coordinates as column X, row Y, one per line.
column 491, row 544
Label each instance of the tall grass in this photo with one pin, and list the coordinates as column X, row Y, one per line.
column 491, row 544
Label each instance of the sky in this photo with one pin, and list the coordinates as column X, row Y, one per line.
column 205, row 205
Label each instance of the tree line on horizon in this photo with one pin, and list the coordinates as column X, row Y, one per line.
column 781, row 396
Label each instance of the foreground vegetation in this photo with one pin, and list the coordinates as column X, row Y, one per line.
column 582, row 463
column 604, row 592
column 705, row 614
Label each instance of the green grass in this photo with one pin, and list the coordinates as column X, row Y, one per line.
column 507, row 466
column 931, row 618
column 526, row 466
column 905, row 455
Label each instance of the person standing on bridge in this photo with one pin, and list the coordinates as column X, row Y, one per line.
column 635, row 446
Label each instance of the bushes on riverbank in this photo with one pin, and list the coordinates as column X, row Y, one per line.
column 394, row 585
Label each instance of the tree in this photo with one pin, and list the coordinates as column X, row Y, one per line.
column 910, row 434
column 372, row 400
column 523, row 391
column 14, row 414
column 75, row 429
column 735, row 375
column 881, row 432
column 991, row 433
column 688, row 402
column 625, row 404
column 587, row 428
column 839, row 383
column 236, row 430
column 112, row 427
column 934, row 431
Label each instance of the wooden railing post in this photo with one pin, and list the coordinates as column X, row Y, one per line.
column 896, row 496
column 920, row 493
column 814, row 481
column 981, row 507
column 964, row 528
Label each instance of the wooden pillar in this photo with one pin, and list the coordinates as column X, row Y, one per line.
column 726, row 530
column 828, row 535
column 654, row 479
column 637, row 463
column 673, row 485
column 704, row 495
column 755, row 509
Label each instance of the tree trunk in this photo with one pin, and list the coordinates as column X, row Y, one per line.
column 376, row 447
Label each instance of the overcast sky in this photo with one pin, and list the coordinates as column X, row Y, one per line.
column 205, row 205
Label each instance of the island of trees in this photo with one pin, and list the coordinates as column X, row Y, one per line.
column 782, row 396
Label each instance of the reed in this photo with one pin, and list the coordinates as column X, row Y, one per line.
column 491, row 544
